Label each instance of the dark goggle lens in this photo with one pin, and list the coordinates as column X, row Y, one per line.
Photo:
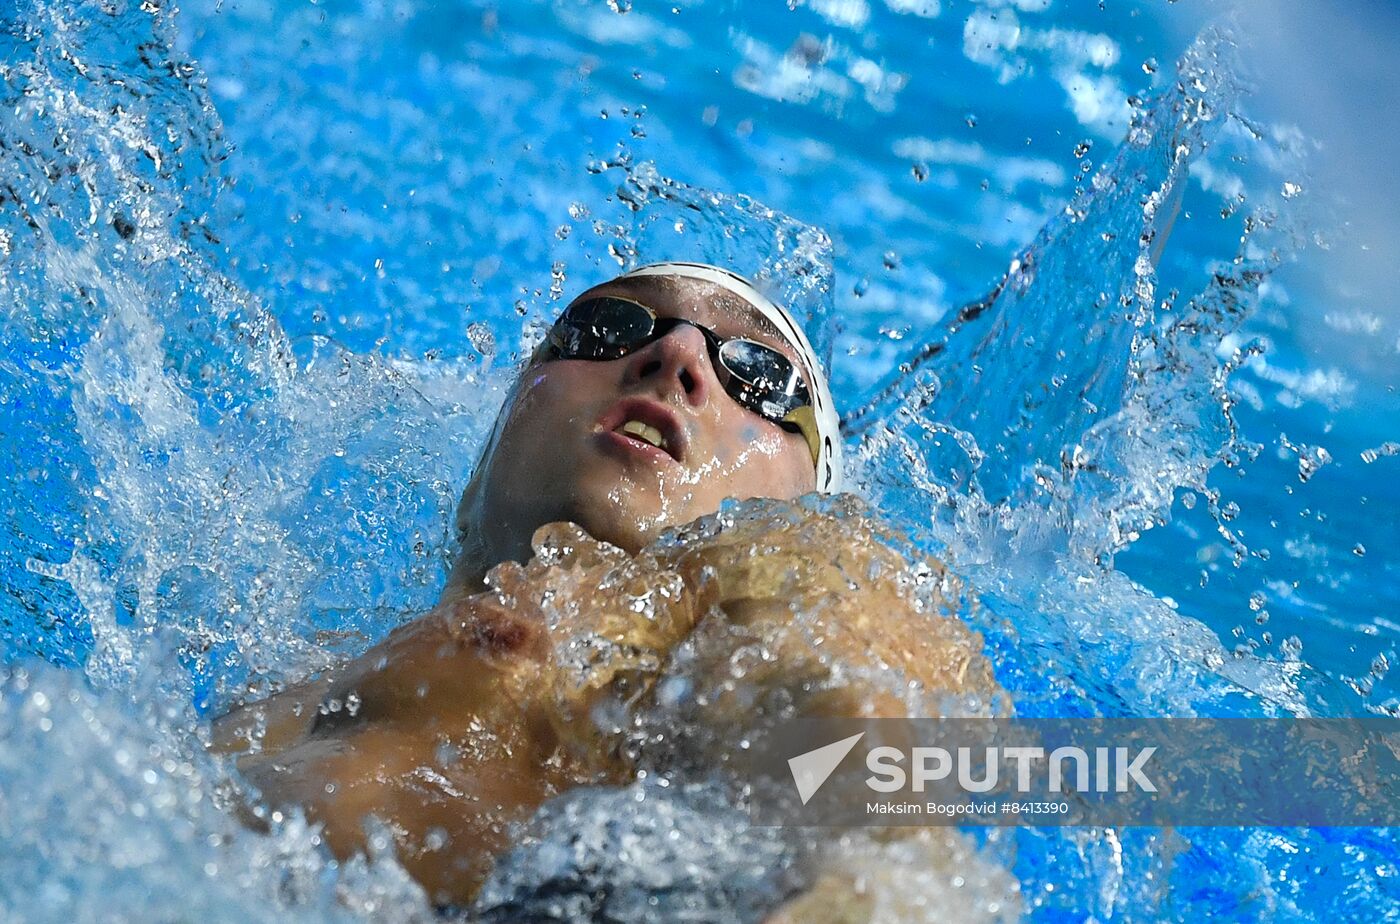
column 768, row 382
column 601, row 328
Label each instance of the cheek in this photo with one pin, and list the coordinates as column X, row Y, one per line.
column 772, row 465
column 556, row 392
column 733, row 455
column 544, row 385
column 542, row 407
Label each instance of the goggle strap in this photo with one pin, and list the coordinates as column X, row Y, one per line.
column 805, row 417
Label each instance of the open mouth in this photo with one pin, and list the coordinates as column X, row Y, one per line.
column 640, row 431
column 646, row 424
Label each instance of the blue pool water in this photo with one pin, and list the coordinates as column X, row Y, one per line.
column 266, row 267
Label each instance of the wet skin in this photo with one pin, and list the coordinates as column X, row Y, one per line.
column 471, row 717
column 468, row 719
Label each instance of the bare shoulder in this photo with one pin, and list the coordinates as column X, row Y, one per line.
column 831, row 590
column 836, row 549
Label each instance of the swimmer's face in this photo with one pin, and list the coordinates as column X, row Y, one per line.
column 561, row 453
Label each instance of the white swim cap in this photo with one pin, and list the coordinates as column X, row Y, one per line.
column 828, row 423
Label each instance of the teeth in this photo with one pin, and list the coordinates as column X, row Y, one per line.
column 643, row 432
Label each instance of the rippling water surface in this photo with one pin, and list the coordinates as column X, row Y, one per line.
column 266, row 268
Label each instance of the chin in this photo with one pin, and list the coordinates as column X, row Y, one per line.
column 617, row 528
column 626, row 522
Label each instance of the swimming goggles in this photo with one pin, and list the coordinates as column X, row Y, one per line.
column 760, row 378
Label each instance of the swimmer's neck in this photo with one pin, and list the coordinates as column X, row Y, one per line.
column 467, row 577
column 481, row 550
column 474, row 562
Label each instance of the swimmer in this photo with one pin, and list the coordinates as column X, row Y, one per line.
column 656, row 396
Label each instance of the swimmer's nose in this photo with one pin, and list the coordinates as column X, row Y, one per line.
column 677, row 362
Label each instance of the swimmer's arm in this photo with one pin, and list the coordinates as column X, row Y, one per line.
column 273, row 724
column 832, row 899
column 888, row 876
column 451, row 658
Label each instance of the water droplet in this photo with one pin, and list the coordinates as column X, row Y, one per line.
column 557, row 275
column 1359, row 550
column 1310, row 458
column 620, row 6
column 920, row 172
column 481, row 338
column 562, row 232
column 1291, row 189
column 891, row 260
column 971, row 119
column 578, row 211
column 1387, row 448
column 1083, row 147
